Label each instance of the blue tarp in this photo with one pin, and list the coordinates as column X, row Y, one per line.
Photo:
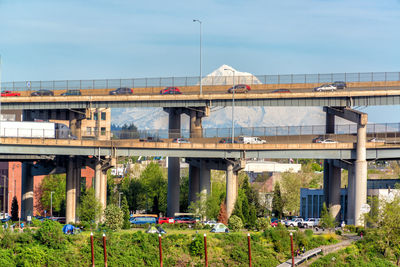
column 68, row 229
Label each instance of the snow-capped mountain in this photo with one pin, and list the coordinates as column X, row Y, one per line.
column 156, row 118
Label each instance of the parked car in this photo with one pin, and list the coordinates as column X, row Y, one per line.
column 293, row 222
column 281, row 91
column 188, row 220
column 169, row 220
column 142, row 220
column 151, row 139
column 339, row 84
column 122, row 91
column 325, row 87
column 239, row 88
column 318, row 139
column 251, row 140
column 42, row 93
column 72, row 92
column 170, row 91
column 328, row 141
column 309, row 223
column 181, row 141
column 9, row 93
column 274, row 222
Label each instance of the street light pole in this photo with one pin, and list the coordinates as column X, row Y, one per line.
column 51, row 204
column 201, row 84
column 233, row 105
column 119, row 199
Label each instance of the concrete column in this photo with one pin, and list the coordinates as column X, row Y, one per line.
column 205, row 178
column 103, row 189
column 97, row 179
column 173, row 186
column 334, row 191
column 27, row 191
column 70, row 193
column 194, row 183
column 360, row 174
column 77, row 179
column 351, row 193
column 330, row 123
column 231, row 189
column 196, row 127
column 174, row 126
column 327, row 163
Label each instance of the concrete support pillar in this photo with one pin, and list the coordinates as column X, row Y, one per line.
column 173, row 186
column 330, row 123
column 196, row 127
column 70, row 193
column 334, row 191
column 360, row 174
column 27, row 191
column 351, row 193
column 327, row 163
column 97, row 179
column 205, row 179
column 75, row 124
column 77, row 180
column 103, row 189
column 231, row 189
column 194, row 183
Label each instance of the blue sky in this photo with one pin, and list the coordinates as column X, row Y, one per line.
column 58, row 40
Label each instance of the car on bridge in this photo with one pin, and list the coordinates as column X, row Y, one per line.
column 328, row 141
column 72, row 92
column 227, row 141
column 340, row 84
column 170, row 91
column 181, row 141
column 122, row 91
column 239, row 88
column 325, row 87
column 9, row 93
column 377, row 140
column 42, row 92
column 282, row 90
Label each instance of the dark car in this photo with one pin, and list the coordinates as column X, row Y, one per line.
column 281, row 91
column 340, row 84
column 227, row 141
column 72, row 92
column 239, row 88
column 318, row 139
column 122, row 91
column 170, row 91
column 151, row 139
column 42, row 93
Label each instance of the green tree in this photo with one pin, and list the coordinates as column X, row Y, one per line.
column 133, row 190
column 14, row 209
column 277, row 203
column 327, row 220
column 51, row 183
column 235, row 223
column 154, row 194
column 89, row 209
column 129, row 131
column 50, row 234
column 125, row 210
column 290, row 185
column 199, row 207
column 114, row 217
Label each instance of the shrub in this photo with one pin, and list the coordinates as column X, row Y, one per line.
column 235, row 223
column 196, row 247
column 50, row 234
column 309, row 233
column 338, row 232
column 350, row 228
column 262, row 224
column 114, row 217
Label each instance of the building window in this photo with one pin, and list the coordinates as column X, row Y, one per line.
column 103, row 130
column 89, row 130
column 95, row 116
column 103, row 116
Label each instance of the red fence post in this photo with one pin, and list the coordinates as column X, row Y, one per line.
column 91, row 245
column 160, row 249
column 205, row 249
column 249, row 245
column 105, row 249
column 291, row 245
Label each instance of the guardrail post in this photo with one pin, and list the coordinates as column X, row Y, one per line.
column 205, row 250
column 160, row 250
column 105, row 249
column 249, row 246
column 291, row 246
column 92, row 248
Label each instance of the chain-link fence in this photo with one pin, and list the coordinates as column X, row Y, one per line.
column 194, row 81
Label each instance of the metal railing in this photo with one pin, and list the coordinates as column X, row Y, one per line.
column 194, row 81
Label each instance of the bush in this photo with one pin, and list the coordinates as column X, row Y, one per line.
column 235, row 223
column 338, row 232
column 114, row 217
column 262, row 224
column 196, row 247
column 50, row 234
column 309, row 233
column 350, row 228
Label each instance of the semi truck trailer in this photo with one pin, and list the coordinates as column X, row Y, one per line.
column 30, row 129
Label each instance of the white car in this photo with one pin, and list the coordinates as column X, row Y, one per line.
column 309, row 223
column 181, row 141
column 294, row 222
column 376, row 140
column 328, row 141
column 325, row 87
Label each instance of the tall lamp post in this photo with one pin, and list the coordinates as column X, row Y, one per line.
column 233, row 105
column 51, row 204
column 201, row 84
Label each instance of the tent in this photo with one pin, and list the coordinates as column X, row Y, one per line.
column 220, row 228
column 68, row 229
column 152, row 230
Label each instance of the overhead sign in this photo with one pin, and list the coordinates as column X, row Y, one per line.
column 365, row 208
column 28, row 84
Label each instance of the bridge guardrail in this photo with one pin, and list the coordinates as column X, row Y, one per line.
column 195, row 81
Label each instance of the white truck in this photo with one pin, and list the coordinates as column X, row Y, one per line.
column 251, row 140
column 30, row 129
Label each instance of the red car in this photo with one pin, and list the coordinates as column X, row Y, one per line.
column 162, row 220
column 187, row 220
column 170, row 91
column 239, row 88
column 9, row 93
